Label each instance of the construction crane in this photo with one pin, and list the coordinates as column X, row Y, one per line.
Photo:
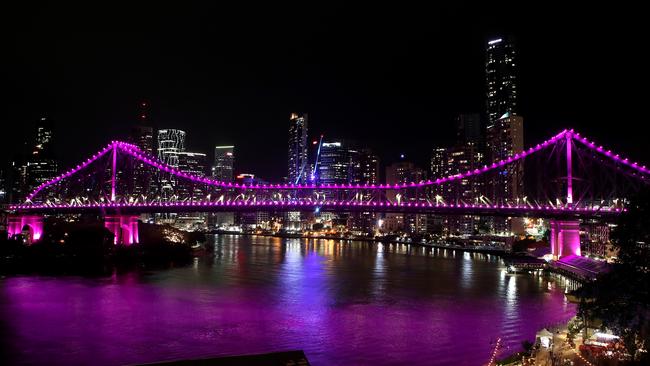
column 313, row 173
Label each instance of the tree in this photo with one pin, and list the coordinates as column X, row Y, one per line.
column 621, row 297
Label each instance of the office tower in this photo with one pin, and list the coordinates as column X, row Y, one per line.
column 501, row 79
column 142, row 131
column 224, row 158
column 505, row 139
column 41, row 165
column 366, row 167
column 405, row 172
column 297, row 161
column 336, row 165
column 256, row 219
column 3, row 187
column 222, row 170
column 193, row 163
column 504, row 131
column 170, row 143
column 469, row 128
column 365, row 170
column 142, row 136
column 196, row 164
column 439, row 168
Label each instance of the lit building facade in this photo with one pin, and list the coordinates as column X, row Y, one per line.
column 297, row 161
column 504, row 131
column 41, row 165
column 405, row 172
column 196, row 164
column 504, row 139
column 142, row 136
column 336, row 165
column 223, row 171
column 501, row 78
column 224, row 159
column 170, row 143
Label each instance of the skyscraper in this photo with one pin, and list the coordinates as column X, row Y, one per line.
column 469, row 128
column 222, row 170
column 501, row 79
column 142, row 131
column 506, row 138
column 187, row 190
column 170, row 143
column 224, row 157
column 335, row 166
column 504, row 131
column 142, row 137
column 196, row 164
column 297, row 162
column 405, row 172
column 41, row 165
column 366, row 167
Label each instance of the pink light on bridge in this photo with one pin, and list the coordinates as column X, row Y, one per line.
column 31, row 225
column 150, row 160
column 124, row 227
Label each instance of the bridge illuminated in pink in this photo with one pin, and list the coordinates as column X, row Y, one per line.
column 135, row 152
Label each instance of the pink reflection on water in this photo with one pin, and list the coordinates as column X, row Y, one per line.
column 340, row 302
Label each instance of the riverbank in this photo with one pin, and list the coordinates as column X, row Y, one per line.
column 440, row 245
column 89, row 249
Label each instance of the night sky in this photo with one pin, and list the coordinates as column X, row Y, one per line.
column 391, row 78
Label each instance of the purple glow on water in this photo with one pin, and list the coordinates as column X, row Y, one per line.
column 342, row 303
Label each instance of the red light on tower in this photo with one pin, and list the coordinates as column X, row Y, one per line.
column 144, row 104
column 143, row 116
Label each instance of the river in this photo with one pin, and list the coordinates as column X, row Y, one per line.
column 340, row 302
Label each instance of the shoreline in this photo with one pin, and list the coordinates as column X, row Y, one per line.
column 495, row 251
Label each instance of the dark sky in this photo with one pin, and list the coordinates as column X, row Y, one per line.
column 390, row 76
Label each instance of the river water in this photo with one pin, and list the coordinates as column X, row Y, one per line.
column 340, row 302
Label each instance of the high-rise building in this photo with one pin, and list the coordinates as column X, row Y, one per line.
column 3, row 187
column 222, row 170
column 256, row 219
column 142, row 131
column 142, row 136
column 405, row 172
column 297, row 162
column 366, row 167
column 41, row 165
column 504, row 131
column 170, row 143
column 335, row 165
column 224, row 158
column 469, row 128
column 196, row 164
column 501, row 78
column 504, row 139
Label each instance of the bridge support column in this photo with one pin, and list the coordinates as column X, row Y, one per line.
column 124, row 227
column 29, row 225
column 565, row 238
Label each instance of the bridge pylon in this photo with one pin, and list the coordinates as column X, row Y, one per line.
column 31, row 226
column 565, row 238
column 124, row 227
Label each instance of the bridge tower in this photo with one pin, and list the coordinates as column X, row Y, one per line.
column 124, row 227
column 565, row 238
column 30, row 225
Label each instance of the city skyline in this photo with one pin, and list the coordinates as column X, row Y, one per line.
column 298, row 183
column 352, row 87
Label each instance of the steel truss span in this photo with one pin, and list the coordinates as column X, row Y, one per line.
column 587, row 183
